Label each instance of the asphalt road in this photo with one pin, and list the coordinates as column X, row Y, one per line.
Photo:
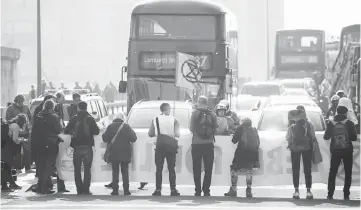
column 264, row 198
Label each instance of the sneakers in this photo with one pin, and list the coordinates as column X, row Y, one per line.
column 296, row 195
column 231, row 193
column 329, row 197
column 309, row 195
column 174, row 193
column 206, row 194
column 346, row 198
column 197, row 194
column 249, row 192
column 157, row 193
column 14, row 186
column 108, row 185
column 127, row 193
column 142, row 185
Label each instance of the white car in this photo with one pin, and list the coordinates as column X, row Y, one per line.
column 273, row 124
column 290, row 100
column 263, row 89
column 296, row 92
column 247, row 105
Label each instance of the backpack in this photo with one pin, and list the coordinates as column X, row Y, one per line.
column 340, row 135
column 300, row 139
column 5, row 137
column 82, row 128
column 205, row 124
column 250, row 139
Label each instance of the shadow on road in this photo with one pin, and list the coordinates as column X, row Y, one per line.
column 192, row 201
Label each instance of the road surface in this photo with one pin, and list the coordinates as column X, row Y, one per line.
column 270, row 198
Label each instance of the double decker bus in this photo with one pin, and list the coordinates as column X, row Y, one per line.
column 160, row 29
column 299, row 53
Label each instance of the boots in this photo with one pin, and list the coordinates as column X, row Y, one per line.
column 249, row 192
column 231, row 193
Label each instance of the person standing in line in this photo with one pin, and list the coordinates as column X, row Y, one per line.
column 88, row 87
column 82, row 127
column 77, row 86
column 62, row 86
column 300, row 137
column 166, row 128
column 245, row 157
column 342, row 132
column 46, row 130
column 32, row 93
column 203, row 126
column 73, row 108
column 120, row 151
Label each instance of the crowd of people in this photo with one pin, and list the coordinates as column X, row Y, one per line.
column 44, row 127
column 109, row 93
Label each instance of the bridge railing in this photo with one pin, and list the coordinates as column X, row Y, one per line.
column 116, row 107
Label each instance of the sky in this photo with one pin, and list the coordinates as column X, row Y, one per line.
column 329, row 15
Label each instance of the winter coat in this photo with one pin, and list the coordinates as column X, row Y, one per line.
column 350, row 128
column 72, row 110
column 12, row 146
column 82, row 139
column 121, row 149
column 243, row 158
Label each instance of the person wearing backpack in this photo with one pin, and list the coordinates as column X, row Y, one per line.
column 300, row 137
column 46, row 129
column 203, row 125
column 10, row 146
column 166, row 128
column 245, row 157
column 342, row 132
column 82, row 127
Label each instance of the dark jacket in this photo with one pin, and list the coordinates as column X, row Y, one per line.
column 82, row 139
column 331, row 112
column 72, row 111
column 46, row 129
column 121, row 149
column 38, row 109
column 350, row 128
column 196, row 138
column 243, row 158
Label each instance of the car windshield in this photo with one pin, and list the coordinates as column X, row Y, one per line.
column 292, row 84
column 261, row 90
column 142, row 118
column 291, row 101
column 296, row 92
column 278, row 120
column 246, row 104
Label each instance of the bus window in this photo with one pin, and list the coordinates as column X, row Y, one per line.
column 310, row 42
column 202, row 27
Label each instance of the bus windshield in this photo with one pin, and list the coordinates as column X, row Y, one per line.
column 299, row 42
column 197, row 27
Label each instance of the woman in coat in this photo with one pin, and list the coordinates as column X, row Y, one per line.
column 120, row 151
column 12, row 148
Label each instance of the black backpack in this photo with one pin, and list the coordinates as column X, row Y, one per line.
column 82, row 128
column 4, row 133
column 205, row 124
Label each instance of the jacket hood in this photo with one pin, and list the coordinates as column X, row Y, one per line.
column 118, row 121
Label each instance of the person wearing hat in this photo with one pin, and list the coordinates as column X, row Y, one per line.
column 120, row 151
column 341, row 93
column 232, row 117
column 346, row 102
column 332, row 110
column 342, row 132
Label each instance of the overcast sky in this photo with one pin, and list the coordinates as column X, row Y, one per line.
column 330, row 15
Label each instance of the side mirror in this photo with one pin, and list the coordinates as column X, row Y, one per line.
column 96, row 116
column 122, row 86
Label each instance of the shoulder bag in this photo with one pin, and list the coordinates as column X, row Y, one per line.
column 107, row 150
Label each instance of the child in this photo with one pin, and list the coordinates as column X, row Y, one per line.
column 245, row 156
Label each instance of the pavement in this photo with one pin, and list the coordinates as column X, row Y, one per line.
column 265, row 197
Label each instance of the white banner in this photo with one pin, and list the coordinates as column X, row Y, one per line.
column 275, row 162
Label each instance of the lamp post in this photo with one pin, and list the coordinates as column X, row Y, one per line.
column 38, row 36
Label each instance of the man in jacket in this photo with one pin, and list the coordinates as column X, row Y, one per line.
column 46, row 130
column 203, row 126
column 82, row 127
column 342, row 132
column 73, row 108
column 120, row 151
column 165, row 126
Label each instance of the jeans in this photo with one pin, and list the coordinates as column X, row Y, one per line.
column 125, row 175
column 307, row 167
column 347, row 159
column 82, row 155
column 205, row 152
column 45, row 167
column 160, row 155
